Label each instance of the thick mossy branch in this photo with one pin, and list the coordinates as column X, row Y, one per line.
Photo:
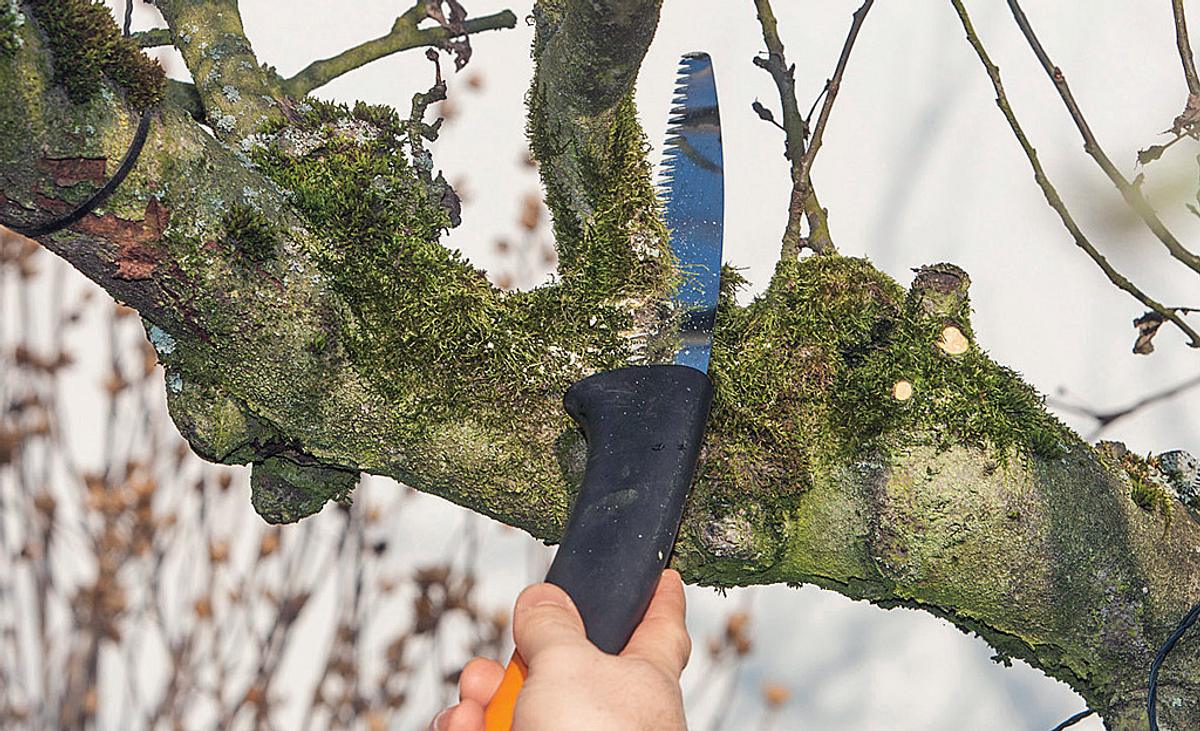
column 591, row 153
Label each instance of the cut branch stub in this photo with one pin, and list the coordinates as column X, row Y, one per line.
column 940, row 292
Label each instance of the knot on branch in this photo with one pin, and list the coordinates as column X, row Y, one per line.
column 284, row 491
column 739, row 536
column 216, row 427
column 940, row 292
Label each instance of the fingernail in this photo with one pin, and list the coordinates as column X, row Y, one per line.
column 440, row 719
column 542, row 595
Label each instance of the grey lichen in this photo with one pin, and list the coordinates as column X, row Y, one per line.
column 1183, row 471
column 163, row 342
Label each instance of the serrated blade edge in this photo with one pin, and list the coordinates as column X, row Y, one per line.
column 693, row 188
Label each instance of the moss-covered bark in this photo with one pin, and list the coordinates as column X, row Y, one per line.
column 310, row 323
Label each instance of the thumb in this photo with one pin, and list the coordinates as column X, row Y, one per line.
column 545, row 617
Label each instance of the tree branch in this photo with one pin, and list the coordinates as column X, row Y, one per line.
column 237, row 93
column 804, row 203
column 584, row 134
column 153, row 38
column 831, row 90
column 1185, row 48
column 1105, row 419
column 1051, row 193
column 404, row 35
column 1132, row 193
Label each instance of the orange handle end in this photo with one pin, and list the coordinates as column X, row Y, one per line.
column 499, row 713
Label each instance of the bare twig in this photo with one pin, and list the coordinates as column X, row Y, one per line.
column 403, row 35
column 1052, row 196
column 831, row 89
column 1132, row 193
column 1185, row 48
column 1105, row 419
column 804, row 199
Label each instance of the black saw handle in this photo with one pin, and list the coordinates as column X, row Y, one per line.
column 644, row 426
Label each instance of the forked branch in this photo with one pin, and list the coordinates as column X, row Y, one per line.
column 799, row 149
column 804, row 203
column 1051, row 193
column 1132, row 193
column 405, row 34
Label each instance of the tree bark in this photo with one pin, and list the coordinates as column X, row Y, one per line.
column 314, row 339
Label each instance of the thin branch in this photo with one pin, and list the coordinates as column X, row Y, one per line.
column 1052, row 196
column 804, row 202
column 1185, row 48
column 153, row 38
column 1132, row 193
column 831, row 89
column 1105, row 419
column 403, row 36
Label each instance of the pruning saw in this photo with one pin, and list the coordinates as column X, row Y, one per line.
column 644, row 424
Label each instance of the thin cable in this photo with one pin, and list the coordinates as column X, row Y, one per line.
column 128, row 16
column 1073, row 720
column 1188, row 620
column 97, row 198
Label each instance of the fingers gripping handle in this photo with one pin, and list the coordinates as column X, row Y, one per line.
column 644, row 426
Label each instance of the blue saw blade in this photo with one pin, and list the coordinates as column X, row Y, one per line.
column 693, row 184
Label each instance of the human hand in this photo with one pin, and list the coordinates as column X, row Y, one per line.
column 573, row 684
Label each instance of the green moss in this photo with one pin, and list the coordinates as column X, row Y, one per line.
column 283, row 491
column 11, row 20
column 805, row 378
column 427, row 327
column 249, row 235
column 607, row 217
column 88, row 47
column 1145, row 491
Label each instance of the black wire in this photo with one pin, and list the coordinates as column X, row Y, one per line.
column 1188, row 620
column 96, row 199
column 57, row 224
column 1073, row 720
